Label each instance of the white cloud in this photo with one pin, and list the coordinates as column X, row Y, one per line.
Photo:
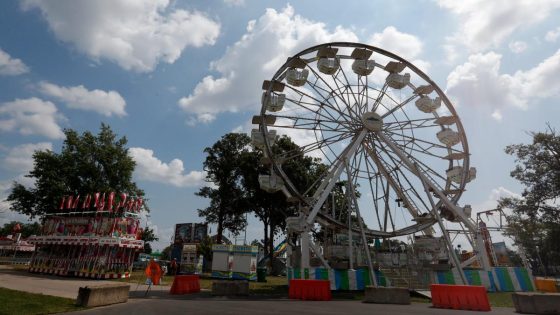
column 150, row 168
column 20, row 158
column 497, row 115
column 137, row 35
column 491, row 201
column 11, row 66
column 238, row 3
column 31, row 116
column 478, row 82
column 485, row 24
column 552, row 35
column 402, row 44
column 78, row 97
column 268, row 42
column 517, row 46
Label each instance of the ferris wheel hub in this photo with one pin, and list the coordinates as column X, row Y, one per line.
column 372, row 121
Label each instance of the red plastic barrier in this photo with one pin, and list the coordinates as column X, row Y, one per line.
column 460, row 297
column 312, row 290
column 185, row 284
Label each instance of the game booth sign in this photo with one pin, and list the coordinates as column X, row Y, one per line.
column 185, row 247
column 96, row 236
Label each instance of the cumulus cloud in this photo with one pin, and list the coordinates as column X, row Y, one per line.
column 518, row 46
column 150, row 168
column 478, row 82
column 137, row 35
column 266, row 45
column 31, row 116
column 491, row 201
column 20, row 158
column 486, row 24
column 11, row 66
column 405, row 45
column 78, row 97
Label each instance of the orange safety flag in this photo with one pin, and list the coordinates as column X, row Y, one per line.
column 153, row 271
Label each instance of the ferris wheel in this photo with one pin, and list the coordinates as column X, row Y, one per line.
column 385, row 131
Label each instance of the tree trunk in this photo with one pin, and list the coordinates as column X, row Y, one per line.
column 220, row 228
column 265, row 223
column 271, row 245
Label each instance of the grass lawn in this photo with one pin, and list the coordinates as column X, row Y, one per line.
column 14, row 302
column 500, row 299
column 273, row 285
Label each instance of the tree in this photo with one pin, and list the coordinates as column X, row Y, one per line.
column 273, row 208
column 166, row 253
column 535, row 221
column 27, row 229
column 87, row 163
column 226, row 195
column 148, row 236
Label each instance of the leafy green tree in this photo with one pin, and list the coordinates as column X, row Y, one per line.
column 87, row 163
column 27, row 229
column 535, row 222
column 166, row 253
column 226, row 194
column 148, row 236
column 273, row 208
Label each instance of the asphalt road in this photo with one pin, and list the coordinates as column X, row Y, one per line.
column 159, row 301
column 224, row 306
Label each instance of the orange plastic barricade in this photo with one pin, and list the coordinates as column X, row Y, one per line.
column 460, row 297
column 185, row 284
column 153, row 271
column 312, row 290
column 546, row 285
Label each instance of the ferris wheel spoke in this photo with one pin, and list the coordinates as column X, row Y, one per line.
column 349, row 87
column 411, row 124
column 306, row 123
column 390, row 180
column 418, row 140
column 382, row 94
column 428, row 171
column 399, row 106
column 399, row 169
column 393, row 171
column 314, row 146
column 329, row 89
column 320, row 104
column 374, row 195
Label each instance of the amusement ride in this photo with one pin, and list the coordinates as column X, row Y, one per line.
column 391, row 142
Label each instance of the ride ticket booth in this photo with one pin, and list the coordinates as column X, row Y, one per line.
column 222, row 261
column 244, row 262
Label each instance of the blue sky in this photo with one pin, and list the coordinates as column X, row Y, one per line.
column 174, row 76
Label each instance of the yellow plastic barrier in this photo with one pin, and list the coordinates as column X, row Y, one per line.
column 546, row 285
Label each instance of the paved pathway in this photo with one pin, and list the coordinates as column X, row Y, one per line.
column 45, row 284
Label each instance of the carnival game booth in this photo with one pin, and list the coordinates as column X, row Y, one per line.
column 15, row 250
column 93, row 238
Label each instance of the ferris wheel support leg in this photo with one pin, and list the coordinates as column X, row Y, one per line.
column 448, row 242
column 364, row 240
column 451, row 206
column 304, row 239
column 324, row 191
column 481, row 251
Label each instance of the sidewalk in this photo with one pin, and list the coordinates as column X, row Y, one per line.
column 46, row 284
